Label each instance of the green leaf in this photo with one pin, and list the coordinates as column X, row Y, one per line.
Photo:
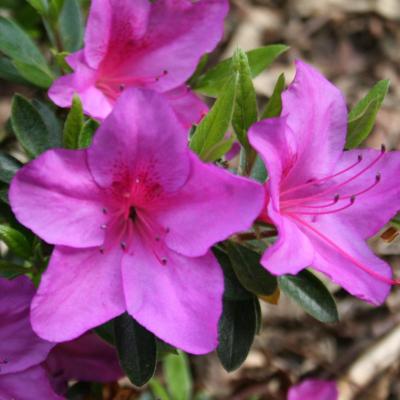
column 178, row 376
column 41, row 6
column 236, row 330
column 8, row 167
column 396, row 221
column 251, row 274
column 233, row 290
column 55, row 8
column 219, row 149
column 137, row 349
column 215, row 124
column 274, row 105
column 158, row 390
column 53, row 124
column 31, row 128
column 245, row 113
column 15, row 241
column 4, row 194
column 213, row 81
column 259, row 172
column 164, row 349
column 71, row 25
column 362, row 116
column 10, row 271
column 9, row 73
column 106, row 332
column 311, row 294
column 34, row 74
column 73, row 124
column 87, row 132
column 17, row 45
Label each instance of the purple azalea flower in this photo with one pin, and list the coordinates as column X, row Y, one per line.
column 44, row 368
column 22, row 375
column 314, row 389
column 154, row 45
column 133, row 219
column 87, row 358
column 325, row 201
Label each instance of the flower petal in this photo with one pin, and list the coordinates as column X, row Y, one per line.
column 29, row 384
column 87, row 358
column 80, row 290
column 141, row 136
column 20, row 348
column 292, row 251
column 180, row 302
column 213, row 205
column 314, row 389
column 112, row 27
column 144, row 45
column 343, row 256
column 316, row 113
column 188, row 107
column 374, row 208
column 56, row 197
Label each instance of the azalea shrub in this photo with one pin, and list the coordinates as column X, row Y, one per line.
column 154, row 200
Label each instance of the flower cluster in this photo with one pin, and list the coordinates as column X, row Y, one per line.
column 141, row 224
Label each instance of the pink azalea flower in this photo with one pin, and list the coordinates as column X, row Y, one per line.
column 133, row 218
column 32, row 368
column 314, row 389
column 154, row 45
column 325, row 201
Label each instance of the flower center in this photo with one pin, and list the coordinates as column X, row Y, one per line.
column 112, row 87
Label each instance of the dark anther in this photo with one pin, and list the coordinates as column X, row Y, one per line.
column 104, row 210
column 121, row 87
column 378, row 177
column 101, row 250
column 123, row 245
column 167, row 230
column 352, row 199
column 165, row 72
column 336, row 198
column 360, row 157
column 132, row 213
column 383, row 148
column 164, row 261
column 157, row 238
column 104, row 226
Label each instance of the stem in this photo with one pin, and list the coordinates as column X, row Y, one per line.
column 254, row 236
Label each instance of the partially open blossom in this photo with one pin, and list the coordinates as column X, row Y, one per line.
column 133, row 219
column 154, row 45
column 314, row 389
column 325, row 202
column 32, row 368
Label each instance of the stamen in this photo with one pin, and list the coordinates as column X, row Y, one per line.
column 132, row 213
column 352, row 200
column 346, row 255
column 321, row 180
column 164, row 261
column 101, row 250
column 104, row 226
column 123, row 246
column 104, row 211
column 377, row 180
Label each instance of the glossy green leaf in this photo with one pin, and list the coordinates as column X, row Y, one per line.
column 233, row 290
column 71, row 25
column 219, row 149
column 214, row 80
column 274, row 104
column 9, row 270
column 245, row 113
column 259, row 172
column 251, row 274
column 8, row 167
column 106, row 332
column 137, row 349
column 55, row 7
column 73, row 124
column 49, row 117
column 86, row 134
column 215, row 124
column 4, row 193
column 178, row 376
column 15, row 241
column 311, row 294
column 31, row 128
column 362, row 117
column 236, row 330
